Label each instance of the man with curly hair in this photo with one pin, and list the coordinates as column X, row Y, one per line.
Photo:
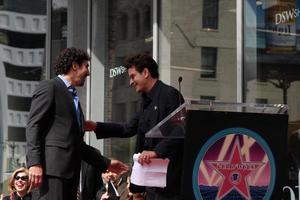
column 54, row 132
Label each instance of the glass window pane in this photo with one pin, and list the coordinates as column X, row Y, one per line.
column 210, row 14
column 147, row 19
column 117, row 33
column 204, row 58
column 209, row 60
column 22, row 65
column 272, row 67
column 59, row 34
column 136, row 23
column 272, row 57
column 122, row 28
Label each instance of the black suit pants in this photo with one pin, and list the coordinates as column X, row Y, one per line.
column 152, row 194
column 59, row 188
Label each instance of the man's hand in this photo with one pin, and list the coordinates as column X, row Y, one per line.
column 35, row 175
column 104, row 196
column 117, row 167
column 146, row 157
column 90, row 125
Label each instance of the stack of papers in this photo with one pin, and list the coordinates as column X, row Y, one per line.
column 153, row 174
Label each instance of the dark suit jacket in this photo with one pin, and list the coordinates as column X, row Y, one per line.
column 156, row 105
column 91, row 181
column 54, row 137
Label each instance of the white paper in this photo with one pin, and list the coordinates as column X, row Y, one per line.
column 153, row 174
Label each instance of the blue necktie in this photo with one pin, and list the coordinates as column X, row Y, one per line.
column 76, row 102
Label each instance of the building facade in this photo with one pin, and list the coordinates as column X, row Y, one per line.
column 223, row 50
column 23, row 32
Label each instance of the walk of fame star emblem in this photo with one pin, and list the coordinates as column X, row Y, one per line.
column 234, row 164
column 235, row 173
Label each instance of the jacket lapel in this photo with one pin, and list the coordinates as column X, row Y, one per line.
column 69, row 97
column 81, row 125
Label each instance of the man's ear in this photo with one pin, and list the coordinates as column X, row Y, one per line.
column 146, row 73
column 74, row 66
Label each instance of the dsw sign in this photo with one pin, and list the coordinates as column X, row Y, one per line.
column 286, row 16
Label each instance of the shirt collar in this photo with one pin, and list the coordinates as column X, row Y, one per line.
column 66, row 82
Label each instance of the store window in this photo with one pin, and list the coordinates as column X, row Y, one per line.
column 147, row 19
column 210, row 14
column 205, row 59
column 208, row 62
column 136, row 23
column 122, row 30
column 59, row 34
column 119, row 114
column 22, row 66
column 116, row 34
column 272, row 64
column 68, row 29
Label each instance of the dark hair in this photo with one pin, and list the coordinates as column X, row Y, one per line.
column 67, row 56
column 142, row 61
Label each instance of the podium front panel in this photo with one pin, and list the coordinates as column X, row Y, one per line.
column 234, row 155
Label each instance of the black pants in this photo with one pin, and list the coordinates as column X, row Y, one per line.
column 55, row 188
column 152, row 194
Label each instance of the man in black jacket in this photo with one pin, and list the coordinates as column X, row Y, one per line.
column 158, row 101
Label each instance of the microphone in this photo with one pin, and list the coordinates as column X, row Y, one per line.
column 179, row 88
column 179, row 83
column 181, row 115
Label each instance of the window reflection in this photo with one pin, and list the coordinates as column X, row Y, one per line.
column 22, row 66
column 59, row 34
column 209, row 61
column 122, row 21
column 272, row 62
column 210, row 14
column 201, row 52
column 129, row 28
column 147, row 20
column 272, row 68
column 136, row 23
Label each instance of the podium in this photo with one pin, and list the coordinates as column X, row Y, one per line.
column 232, row 150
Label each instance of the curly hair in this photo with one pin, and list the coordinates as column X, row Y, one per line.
column 142, row 61
column 66, row 58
